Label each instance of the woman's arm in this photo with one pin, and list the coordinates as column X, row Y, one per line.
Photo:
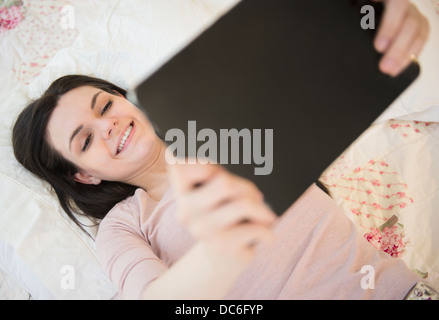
column 201, row 274
column 228, row 217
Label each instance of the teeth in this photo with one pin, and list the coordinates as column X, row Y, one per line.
column 125, row 137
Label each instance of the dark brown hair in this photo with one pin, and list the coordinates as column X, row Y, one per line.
column 33, row 150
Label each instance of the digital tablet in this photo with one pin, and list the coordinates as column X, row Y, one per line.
column 275, row 91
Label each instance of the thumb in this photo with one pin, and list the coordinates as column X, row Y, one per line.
column 190, row 175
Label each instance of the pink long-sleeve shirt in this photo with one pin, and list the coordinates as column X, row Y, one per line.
column 317, row 253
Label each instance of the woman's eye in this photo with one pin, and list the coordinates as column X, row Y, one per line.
column 86, row 143
column 106, row 107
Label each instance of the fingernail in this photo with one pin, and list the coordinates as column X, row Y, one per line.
column 381, row 44
column 387, row 65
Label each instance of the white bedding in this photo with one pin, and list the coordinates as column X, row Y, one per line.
column 123, row 41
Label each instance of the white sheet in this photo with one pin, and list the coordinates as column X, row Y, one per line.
column 120, row 41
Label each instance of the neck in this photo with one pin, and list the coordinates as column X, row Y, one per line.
column 154, row 178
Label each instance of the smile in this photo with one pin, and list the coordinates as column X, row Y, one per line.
column 124, row 138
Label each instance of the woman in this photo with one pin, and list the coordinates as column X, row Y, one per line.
column 85, row 137
column 189, row 231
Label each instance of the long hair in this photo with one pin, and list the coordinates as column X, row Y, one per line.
column 33, row 150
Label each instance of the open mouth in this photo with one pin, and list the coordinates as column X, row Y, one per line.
column 125, row 138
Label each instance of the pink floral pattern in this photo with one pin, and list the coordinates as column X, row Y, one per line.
column 375, row 195
column 10, row 16
column 373, row 191
column 407, row 129
column 387, row 238
column 43, row 35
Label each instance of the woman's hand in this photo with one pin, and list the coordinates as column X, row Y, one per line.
column 227, row 216
column 222, row 210
column 401, row 35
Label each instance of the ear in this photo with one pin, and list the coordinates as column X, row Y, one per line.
column 86, row 178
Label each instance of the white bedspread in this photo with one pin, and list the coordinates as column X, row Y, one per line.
column 121, row 41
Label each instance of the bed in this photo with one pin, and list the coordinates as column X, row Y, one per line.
column 387, row 181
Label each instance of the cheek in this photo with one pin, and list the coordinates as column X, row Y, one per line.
column 95, row 163
column 105, row 167
column 146, row 145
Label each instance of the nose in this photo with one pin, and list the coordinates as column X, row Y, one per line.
column 108, row 126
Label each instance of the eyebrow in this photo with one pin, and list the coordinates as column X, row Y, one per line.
column 78, row 129
column 93, row 100
column 74, row 134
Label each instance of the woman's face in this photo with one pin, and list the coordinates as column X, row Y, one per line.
column 104, row 135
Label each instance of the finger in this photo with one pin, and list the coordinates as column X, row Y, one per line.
column 225, row 187
column 421, row 38
column 221, row 189
column 410, row 41
column 415, row 50
column 185, row 177
column 234, row 213
column 394, row 13
column 398, row 54
column 240, row 241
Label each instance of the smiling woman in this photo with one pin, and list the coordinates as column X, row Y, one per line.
column 100, row 132
column 34, row 146
column 101, row 155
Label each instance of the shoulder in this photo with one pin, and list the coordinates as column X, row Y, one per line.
column 125, row 215
column 120, row 226
column 122, row 249
column 133, row 204
column 134, row 213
